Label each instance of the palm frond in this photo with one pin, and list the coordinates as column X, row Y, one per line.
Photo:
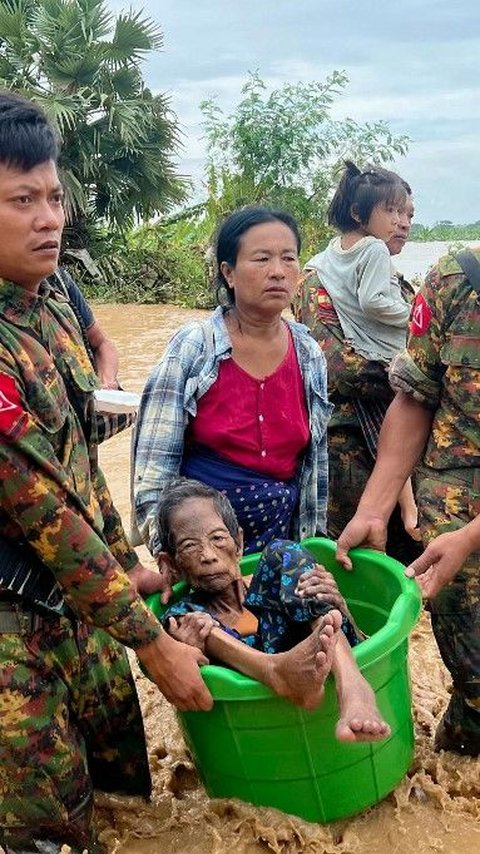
column 126, row 82
column 82, row 67
column 133, row 36
column 73, row 71
column 76, row 197
column 78, row 21
column 16, row 37
column 62, row 110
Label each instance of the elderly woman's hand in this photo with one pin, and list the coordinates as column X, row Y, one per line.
column 192, row 629
column 318, row 583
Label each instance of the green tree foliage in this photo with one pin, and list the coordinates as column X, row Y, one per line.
column 285, row 148
column 155, row 263
column 282, row 148
column 445, row 230
column 83, row 67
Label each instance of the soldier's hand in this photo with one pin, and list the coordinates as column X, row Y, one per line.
column 109, row 381
column 410, row 523
column 147, row 581
column 440, row 562
column 174, row 667
column 168, row 579
column 365, row 529
column 409, row 512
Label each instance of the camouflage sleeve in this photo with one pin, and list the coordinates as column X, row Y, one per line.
column 113, row 530
column 40, row 501
column 304, row 298
column 418, row 370
column 352, row 375
column 349, row 374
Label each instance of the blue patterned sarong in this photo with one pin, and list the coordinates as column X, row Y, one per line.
column 263, row 506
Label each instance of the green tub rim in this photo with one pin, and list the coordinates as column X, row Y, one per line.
column 226, row 684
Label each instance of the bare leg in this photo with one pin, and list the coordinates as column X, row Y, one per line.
column 360, row 719
column 298, row 674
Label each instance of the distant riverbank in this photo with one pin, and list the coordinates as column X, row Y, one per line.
column 417, row 258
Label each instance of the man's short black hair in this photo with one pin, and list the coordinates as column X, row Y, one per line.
column 180, row 490
column 26, row 136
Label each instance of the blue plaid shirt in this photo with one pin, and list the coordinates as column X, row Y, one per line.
column 186, row 371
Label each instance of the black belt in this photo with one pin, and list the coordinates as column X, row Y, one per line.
column 15, row 620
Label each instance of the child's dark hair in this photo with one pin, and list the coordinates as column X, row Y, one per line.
column 180, row 490
column 358, row 192
column 230, row 233
column 26, row 136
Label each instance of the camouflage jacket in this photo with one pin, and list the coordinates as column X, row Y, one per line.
column 350, row 376
column 52, row 493
column 441, row 365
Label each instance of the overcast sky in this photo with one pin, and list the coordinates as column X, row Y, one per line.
column 414, row 64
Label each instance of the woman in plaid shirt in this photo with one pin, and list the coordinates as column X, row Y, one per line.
column 239, row 401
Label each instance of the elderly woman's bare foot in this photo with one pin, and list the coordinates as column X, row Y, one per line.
column 360, row 719
column 299, row 674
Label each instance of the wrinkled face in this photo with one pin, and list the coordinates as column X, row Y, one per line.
column 206, row 554
column 399, row 239
column 31, row 223
column 383, row 221
column 267, row 268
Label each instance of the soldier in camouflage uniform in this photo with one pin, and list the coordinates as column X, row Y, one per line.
column 437, row 412
column 361, row 393
column 69, row 581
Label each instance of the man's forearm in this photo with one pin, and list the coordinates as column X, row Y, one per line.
column 471, row 533
column 106, row 359
column 106, row 356
column 403, row 437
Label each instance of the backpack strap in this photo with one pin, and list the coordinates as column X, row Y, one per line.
column 471, row 267
column 58, row 281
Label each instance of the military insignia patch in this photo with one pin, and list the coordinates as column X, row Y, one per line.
column 421, row 316
column 12, row 415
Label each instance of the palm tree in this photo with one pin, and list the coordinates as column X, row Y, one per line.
column 83, row 67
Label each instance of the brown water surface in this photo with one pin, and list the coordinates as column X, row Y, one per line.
column 436, row 808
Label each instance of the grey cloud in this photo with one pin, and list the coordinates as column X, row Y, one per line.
column 413, row 64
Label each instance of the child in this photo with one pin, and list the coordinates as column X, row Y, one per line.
column 288, row 629
column 355, row 268
column 356, row 271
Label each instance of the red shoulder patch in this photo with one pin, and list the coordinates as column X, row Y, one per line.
column 13, row 418
column 421, row 316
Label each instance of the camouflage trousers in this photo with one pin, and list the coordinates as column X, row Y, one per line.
column 447, row 500
column 69, row 722
column 350, row 465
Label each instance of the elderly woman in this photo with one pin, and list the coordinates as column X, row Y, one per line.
column 287, row 625
column 239, row 401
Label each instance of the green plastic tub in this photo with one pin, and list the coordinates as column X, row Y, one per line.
column 260, row 748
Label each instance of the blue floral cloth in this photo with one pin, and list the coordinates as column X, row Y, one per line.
column 284, row 619
column 263, row 506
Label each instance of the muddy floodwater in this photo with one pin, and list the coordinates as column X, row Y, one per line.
column 436, row 808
